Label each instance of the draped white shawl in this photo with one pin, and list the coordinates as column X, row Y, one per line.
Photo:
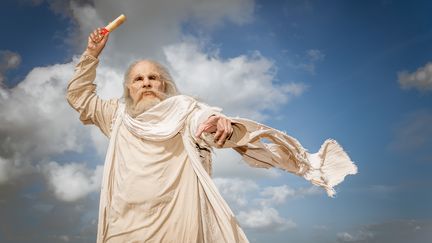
column 182, row 114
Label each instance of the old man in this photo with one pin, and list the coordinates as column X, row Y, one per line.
column 157, row 184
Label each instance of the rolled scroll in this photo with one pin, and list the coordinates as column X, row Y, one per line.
column 114, row 24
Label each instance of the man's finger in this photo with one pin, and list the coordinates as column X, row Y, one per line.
column 223, row 138
column 226, row 128
column 217, row 135
column 93, row 37
column 220, row 129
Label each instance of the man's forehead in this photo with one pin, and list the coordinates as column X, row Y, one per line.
column 144, row 66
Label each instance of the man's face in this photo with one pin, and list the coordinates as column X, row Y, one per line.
column 145, row 84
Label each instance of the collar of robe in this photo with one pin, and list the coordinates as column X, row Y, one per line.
column 162, row 121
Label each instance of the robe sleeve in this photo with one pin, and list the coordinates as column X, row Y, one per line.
column 326, row 168
column 81, row 95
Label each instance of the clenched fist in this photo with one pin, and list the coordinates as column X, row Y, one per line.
column 96, row 42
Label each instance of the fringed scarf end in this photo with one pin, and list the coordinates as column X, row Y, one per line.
column 329, row 166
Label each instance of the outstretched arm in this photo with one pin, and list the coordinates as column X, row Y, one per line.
column 81, row 91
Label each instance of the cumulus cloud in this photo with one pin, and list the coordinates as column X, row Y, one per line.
column 396, row 231
column 256, row 206
column 360, row 236
column 421, row 79
column 33, row 112
column 150, row 24
column 246, row 82
column 307, row 61
column 235, row 190
column 239, row 194
column 8, row 60
column 72, row 181
column 32, row 215
column 35, row 120
column 315, row 55
column 277, row 194
column 264, row 219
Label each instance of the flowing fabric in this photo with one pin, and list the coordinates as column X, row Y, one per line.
column 180, row 113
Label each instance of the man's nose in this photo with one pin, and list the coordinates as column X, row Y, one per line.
column 146, row 83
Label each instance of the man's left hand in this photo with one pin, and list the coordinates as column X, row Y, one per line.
column 220, row 125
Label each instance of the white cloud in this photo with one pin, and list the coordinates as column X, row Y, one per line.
column 267, row 219
column 421, row 79
column 242, row 86
column 345, row 237
column 8, row 60
column 235, row 190
column 276, row 195
column 359, row 236
column 255, row 205
column 307, row 61
column 36, row 122
column 315, row 55
column 394, row 231
column 72, row 181
column 240, row 194
column 12, row 168
column 151, row 25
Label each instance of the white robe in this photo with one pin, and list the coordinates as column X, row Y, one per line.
column 156, row 185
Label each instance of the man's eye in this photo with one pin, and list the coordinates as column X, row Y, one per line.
column 152, row 77
column 139, row 79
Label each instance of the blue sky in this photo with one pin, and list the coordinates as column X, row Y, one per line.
column 345, row 57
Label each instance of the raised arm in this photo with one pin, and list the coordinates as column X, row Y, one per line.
column 81, row 91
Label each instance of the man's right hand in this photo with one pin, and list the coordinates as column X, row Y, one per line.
column 96, row 42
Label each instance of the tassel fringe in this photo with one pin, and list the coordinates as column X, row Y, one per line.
column 329, row 166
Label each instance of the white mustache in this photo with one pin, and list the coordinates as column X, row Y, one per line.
column 157, row 93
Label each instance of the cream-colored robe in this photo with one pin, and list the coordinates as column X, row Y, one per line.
column 161, row 191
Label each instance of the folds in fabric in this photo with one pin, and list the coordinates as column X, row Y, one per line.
column 326, row 168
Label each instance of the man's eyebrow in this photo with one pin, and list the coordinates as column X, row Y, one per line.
column 155, row 74
column 152, row 73
column 137, row 75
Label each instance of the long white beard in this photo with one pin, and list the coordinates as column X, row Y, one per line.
column 141, row 106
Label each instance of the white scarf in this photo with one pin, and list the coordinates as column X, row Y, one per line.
column 162, row 121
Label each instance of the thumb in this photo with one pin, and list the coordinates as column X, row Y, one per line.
column 199, row 130
column 203, row 128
